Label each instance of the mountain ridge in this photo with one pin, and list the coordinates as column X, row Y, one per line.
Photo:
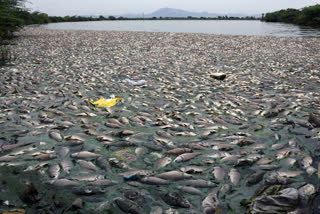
column 179, row 13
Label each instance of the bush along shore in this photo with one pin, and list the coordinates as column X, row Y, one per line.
column 206, row 123
column 309, row 16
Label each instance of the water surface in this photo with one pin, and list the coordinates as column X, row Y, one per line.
column 228, row 27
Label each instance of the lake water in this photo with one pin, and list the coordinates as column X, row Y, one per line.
column 229, row 27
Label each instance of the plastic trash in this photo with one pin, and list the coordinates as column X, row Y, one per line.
column 15, row 211
column 102, row 103
column 133, row 177
column 136, row 83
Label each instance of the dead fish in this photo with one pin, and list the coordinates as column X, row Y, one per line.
column 163, row 162
column 104, row 138
column 193, row 169
column 139, row 151
column 43, row 157
column 311, row 170
column 64, row 125
column 5, row 148
column 306, row 161
column 190, row 190
column 187, row 134
column 64, row 183
column 124, row 121
column 75, row 137
column 36, row 166
column 186, row 156
column 128, row 206
column 103, row 182
column 234, row 176
column 209, row 132
column 290, row 161
column 278, row 146
column 91, row 132
column 283, row 154
column 115, row 121
column 123, row 133
column 55, row 134
column 138, row 172
column 87, row 177
column 223, row 147
column 154, row 181
column 84, row 155
column 85, row 120
column 254, row 178
column 165, row 142
column 66, row 165
column 42, row 114
column 268, row 167
column 54, row 171
column 243, row 142
column 87, row 165
column 174, row 175
column 63, row 151
column 113, row 125
column 219, row 173
column 289, row 173
column 292, row 143
column 118, row 163
column 163, row 134
column 231, row 159
column 314, row 119
column 199, row 183
column 226, row 188
column 178, row 151
column 304, row 124
column 211, row 203
column 175, row 199
column 104, row 164
column 264, row 161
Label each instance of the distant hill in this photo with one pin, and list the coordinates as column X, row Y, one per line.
column 171, row 12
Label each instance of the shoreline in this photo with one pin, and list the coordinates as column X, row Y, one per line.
column 257, row 119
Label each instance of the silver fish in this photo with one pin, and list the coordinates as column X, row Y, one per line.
column 219, row 173
column 163, row 162
column 199, row 183
column 84, row 155
column 190, row 190
column 64, row 183
column 174, row 175
column 87, row 165
column 234, row 176
column 55, row 135
column 54, row 171
column 103, row 182
column 211, row 202
column 66, row 165
column 154, row 181
column 186, row 156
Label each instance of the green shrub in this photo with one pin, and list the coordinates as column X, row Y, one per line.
column 5, row 54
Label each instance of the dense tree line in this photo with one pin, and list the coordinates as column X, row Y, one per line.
column 14, row 15
column 306, row 16
column 9, row 21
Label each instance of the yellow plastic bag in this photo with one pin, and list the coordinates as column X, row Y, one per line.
column 102, row 103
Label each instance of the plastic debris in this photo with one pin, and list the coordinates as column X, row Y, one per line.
column 102, row 103
column 133, row 177
column 15, row 211
column 136, row 83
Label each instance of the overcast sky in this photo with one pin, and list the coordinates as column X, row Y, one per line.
column 118, row 7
